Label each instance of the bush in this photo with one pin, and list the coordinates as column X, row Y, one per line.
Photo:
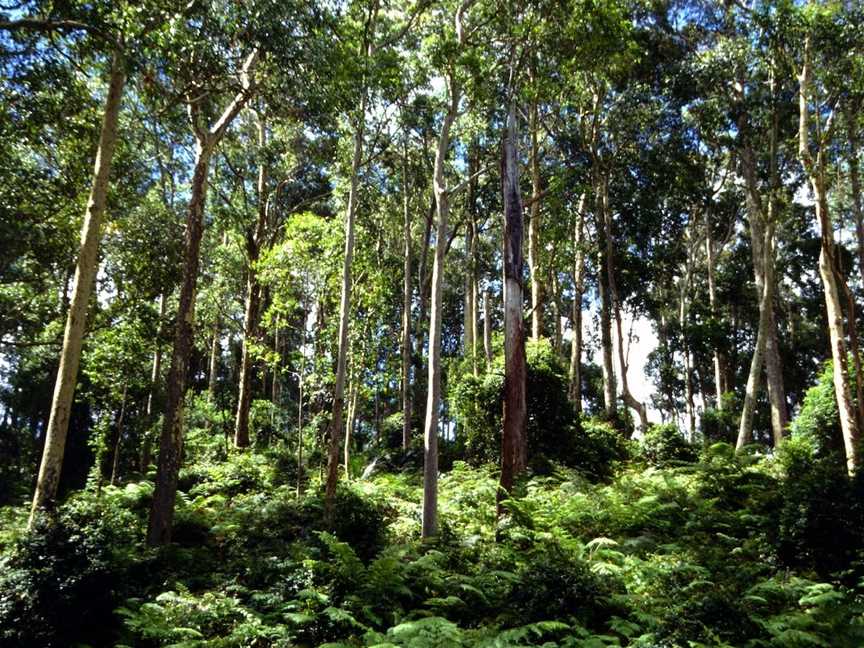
column 597, row 448
column 818, row 418
column 60, row 583
column 821, row 514
column 555, row 433
column 556, row 584
column 664, row 445
column 718, row 425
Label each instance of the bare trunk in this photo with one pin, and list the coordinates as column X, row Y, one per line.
column 433, row 401
column 157, row 362
column 534, row 233
column 153, row 391
column 487, row 328
column 213, row 365
column 828, row 269
column 171, row 439
column 300, row 430
column 406, row 305
column 115, row 463
column 556, row 313
column 628, row 398
column 605, row 311
column 855, row 184
column 419, row 398
column 514, row 448
column 719, row 384
column 76, row 319
column 349, row 426
column 576, row 317
column 468, row 312
column 336, row 422
column 745, row 426
column 253, row 298
column 683, row 309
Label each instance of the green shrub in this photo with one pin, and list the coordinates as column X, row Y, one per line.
column 818, row 418
column 664, row 444
column 556, row 584
column 821, row 513
column 555, row 434
column 60, row 583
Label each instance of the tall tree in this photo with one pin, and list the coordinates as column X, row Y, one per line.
column 207, row 138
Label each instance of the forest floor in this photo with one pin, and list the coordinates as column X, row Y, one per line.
column 719, row 552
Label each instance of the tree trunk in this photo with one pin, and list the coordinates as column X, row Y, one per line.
column 406, row 304
column 300, row 429
column 609, row 400
column 213, row 364
column 514, row 449
column 855, row 183
column 152, row 392
column 253, row 298
column 719, row 384
column 85, row 272
column 433, row 401
column 171, row 439
column 349, row 426
column 828, row 269
column 336, row 422
column 534, row 232
column 745, row 426
column 556, row 313
column 487, row 329
column 474, row 305
column 628, row 398
column 468, row 313
column 419, row 380
column 576, row 317
column 683, row 309
column 115, row 463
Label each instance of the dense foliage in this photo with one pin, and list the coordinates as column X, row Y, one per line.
column 431, row 323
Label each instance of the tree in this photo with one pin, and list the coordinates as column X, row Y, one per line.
column 207, row 138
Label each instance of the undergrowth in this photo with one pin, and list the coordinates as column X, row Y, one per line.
column 689, row 554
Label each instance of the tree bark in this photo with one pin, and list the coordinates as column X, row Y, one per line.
column 349, row 426
column 76, row 319
column 336, row 422
column 855, row 182
column 514, row 451
column 406, row 303
column 171, row 439
column 433, row 401
column 115, row 463
column 487, row 329
column 609, row 388
column 683, row 310
column 828, row 269
column 628, row 398
column 576, row 317
column 719, row 384
column 253, row 297
column 152, row 392
column 537, row 288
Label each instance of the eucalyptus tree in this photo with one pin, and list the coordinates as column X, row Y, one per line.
column 117, row 34
column 214, row 55
column 372, row 50
column 818, row 29
column 448, row 58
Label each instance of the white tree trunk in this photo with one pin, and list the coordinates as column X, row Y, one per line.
column 76, row 319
